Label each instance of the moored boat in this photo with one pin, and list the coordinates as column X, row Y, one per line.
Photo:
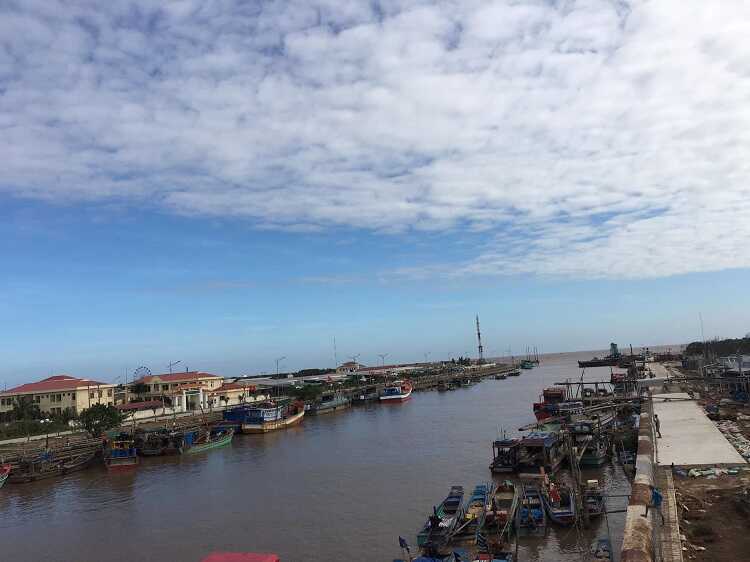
column 530, row 516
column 514, row 373
column 398, row 391
column 211, row 439
column 527, row 364
column 594, row 500
column 540, row 450
column 4, row 473
column 329, row 403
column 475, row 513
column 503, row 505
column 120, row 455
column 505, row 456
column 46, row 465
column 560, row 503
column 266, row 416
column 547, row 405
column 440, row 524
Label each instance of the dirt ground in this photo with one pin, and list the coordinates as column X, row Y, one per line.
column 714, row 518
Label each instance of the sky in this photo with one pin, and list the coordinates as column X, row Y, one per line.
column 226, row 183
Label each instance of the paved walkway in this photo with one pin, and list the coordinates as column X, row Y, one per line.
column 668, row 535
column 688, row 436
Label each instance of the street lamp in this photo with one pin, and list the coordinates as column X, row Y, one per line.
column 172, row 364
column 382, row 358
column 277, row 364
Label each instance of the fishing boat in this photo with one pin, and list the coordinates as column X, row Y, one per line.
column 266, row 416
column 442, row 386
column 514, row 373
column 596, row 452
column 329, row 403
column 369, row 394
column 594, row 500
column 46, row 465
column 560, row 503
column 494, row 556
column 505, row 456
column 548, row 402
column 502, row 512
column 120, row 455
column 526, row 364
column 440, row 524
column 475, row 513
column 501, row 376
column 211, row 439
column 4, row 473
column 540, row 450
column 610, row 360
column 530, row 515
column 162, row 442
column 602, row 550
column 398, row 391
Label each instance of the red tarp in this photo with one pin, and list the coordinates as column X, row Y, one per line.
column 240, row 557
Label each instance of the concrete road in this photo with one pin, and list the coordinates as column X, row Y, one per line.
column 688, row 436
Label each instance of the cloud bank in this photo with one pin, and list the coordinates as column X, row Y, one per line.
column 591, row 138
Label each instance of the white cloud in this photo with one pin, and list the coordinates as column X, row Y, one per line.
column 587, row 138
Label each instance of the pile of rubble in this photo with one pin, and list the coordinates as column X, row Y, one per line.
column 735, row 436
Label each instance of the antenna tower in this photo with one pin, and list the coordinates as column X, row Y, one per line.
column 479, row 342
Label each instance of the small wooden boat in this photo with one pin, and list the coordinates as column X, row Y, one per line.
column 602, row 550
column 211, row 439
column 501, row 377
column 440, row 524
column 475, row 513
column 502, row 512
column 398, row 391
column 120, row 455
column 329, row 404
column 514, row 373
column 530, row 515
column 46, row 465
column 594, row 500
column 560, row 503
column 4, row 473
column 442, row 386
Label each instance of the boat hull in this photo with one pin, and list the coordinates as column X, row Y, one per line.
column 396, row 398
column 275, row 425
column 221, row 442
column 128, row 466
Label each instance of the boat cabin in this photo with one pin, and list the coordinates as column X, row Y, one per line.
column 540, row 449
column 505, row 455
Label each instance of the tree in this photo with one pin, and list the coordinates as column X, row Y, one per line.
column 24, row 408
column 99, row 418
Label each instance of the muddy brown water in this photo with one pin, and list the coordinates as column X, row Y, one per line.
column 339, row 487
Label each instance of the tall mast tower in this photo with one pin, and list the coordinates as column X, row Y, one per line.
column 479, row 342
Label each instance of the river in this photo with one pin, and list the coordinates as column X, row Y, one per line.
column 338, row 487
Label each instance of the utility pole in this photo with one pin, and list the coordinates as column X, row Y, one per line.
column 479, row 342
column 335, row 354
column 172, row 364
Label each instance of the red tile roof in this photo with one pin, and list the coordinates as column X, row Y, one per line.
column 235, row 386
column 50, row 384
column 178, row 377
column 146, row 405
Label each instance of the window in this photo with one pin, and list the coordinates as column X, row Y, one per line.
column 109, row 392
column 91, row 395
column 99, row 393
column 37, row 399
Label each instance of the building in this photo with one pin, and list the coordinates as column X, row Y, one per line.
column 187, row 391
column 56, row 394
column 234, row 393
column 350, row 367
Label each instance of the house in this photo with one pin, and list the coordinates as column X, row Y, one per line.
column 58, row 393
column 235, row 393
column 187, row 391
column 349, row 367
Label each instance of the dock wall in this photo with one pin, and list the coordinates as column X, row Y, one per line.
column 638, row 543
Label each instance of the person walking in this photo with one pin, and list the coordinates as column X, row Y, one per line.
column 657, row 424
column 656, row 501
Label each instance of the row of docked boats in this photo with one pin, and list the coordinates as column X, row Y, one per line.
column 493, row 513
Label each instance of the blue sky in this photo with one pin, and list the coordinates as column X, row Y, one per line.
column 228, row 182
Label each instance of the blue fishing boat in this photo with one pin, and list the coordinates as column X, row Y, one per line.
column 328, row 404
column 475, row 513
column 560, row 503
column 594, row 500
column 440, row 524
column 504, row 456
column 540, row 449
column 530, row 516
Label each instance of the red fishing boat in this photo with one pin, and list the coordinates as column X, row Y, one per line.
column 547, row 406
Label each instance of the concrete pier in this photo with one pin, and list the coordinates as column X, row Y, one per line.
column 688, row 436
